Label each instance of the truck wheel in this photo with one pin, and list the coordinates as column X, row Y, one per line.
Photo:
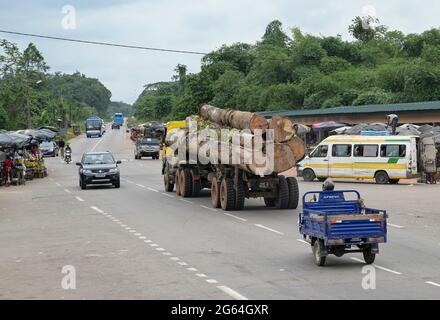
column 177, row 179
column 293, row 193
column 368, row 256
column 239, row 196
column 185, row 183
column 282, row 199
column 169, row 187
column 215, row 193
column 269, row 202
column 317, row 248
column 308, row 175
column 381, row 177
column 227, row 194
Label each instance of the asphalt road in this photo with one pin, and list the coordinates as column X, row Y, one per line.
column 138, row 242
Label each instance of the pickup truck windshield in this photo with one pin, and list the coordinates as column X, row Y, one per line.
column 104, row 158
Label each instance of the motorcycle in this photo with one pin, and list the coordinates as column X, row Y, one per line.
column 68, row 157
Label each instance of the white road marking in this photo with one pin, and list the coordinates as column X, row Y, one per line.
column 132, row 231
column 175, row 258
column 433, row 283
column 119, row 222
column 127, row 228
column 166, row 253
column 269, row 229
column 143, row 238
column 192, row 269
column 138, row 234
column 395, row 226
column 235, row 217
column 115, row 220
column 234, row 294
column 151, row 189
column 128, row 181
column 182, row 263
column 59, row 185
column 123, row 225
column 160, row 249
column 154, row 245
column 94, row 147
column 67, row 190
column 376, row 266
column 205, row 207
column 148, row 241
column 187, row 201
column 201, row 275
column 211, row 281
column 140, row 185
column 167, row 195
column 302, row 240
column 79, row 199
column 97, row 209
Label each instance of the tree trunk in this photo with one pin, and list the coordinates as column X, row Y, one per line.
column 234, row 118
column 298, row 148
column 282, row 129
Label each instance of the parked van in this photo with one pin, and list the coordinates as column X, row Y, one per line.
column 387, row 159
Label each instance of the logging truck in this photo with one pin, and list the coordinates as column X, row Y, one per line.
column 231, row 184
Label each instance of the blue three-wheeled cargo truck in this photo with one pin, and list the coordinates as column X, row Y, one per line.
column 337, row 222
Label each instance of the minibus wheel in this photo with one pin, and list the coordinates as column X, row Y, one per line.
column 381, row 177
column 308, row 175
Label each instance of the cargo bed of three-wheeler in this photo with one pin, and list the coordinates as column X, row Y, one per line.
column 336, row 222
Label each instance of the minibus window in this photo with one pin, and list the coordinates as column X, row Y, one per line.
column 320, row 152
column 365, row 150
column 393, row 150
column 341, row 150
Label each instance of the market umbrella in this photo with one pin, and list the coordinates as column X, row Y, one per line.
column 425, row 128
column 375, row 127
column 6, row 141
column 408, row 130
column 301, row 129
column 357, row 129
column 341, row 130
column 327, row 125
column 49, row 128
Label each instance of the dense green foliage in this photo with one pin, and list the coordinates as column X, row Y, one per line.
column 31, row 97
column 297, row 70
column 119, row 106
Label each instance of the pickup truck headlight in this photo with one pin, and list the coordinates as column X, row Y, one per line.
column 114, row 170
column 86, row 171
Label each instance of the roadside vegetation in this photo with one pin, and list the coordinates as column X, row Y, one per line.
column 295, row 70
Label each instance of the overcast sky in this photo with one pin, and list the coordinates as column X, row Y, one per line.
column 196, row 25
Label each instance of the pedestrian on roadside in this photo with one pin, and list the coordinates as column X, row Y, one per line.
column 61, row 145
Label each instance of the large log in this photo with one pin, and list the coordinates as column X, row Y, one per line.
column 233, row 118
column 282, row 129
column 298, row 148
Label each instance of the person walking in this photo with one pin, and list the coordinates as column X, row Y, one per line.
column 61, row 145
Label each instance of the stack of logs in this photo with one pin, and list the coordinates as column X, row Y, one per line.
column 288, row 148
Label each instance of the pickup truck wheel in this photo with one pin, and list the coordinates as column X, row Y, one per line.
column 381, row 177
column 185, row 183
column 282, row 200
column 292, row 183
column 169, row 187
column 308, row 175
column 82, row 184
column 317, row 248
column 177, row 179
column 227, row 194
column 117, row 184
column 239, row 196
column 269, row 202
column 215, row 193
column 368, row 256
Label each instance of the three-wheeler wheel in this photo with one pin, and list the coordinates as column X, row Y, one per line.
column 317, row 248
column 368, row 255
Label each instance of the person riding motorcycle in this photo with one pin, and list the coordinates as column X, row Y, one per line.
column 68, row 154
